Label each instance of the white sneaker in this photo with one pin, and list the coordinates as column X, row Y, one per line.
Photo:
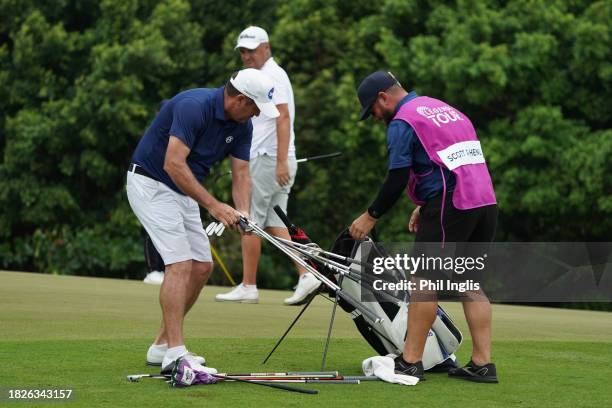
column 155, row 356
column 195, row 362
column 307, row 284
column 154, row 278
column 239, row 294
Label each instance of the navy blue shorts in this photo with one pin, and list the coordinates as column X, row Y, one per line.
column 474, row 225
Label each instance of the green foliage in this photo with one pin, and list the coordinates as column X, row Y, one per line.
column 80, row 81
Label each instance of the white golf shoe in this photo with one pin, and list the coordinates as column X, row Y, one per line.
column 240, row 294
column 195, row 362
column 154, row 278
column 307, row 284
column 155, row 356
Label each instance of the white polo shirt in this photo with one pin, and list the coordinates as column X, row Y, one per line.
column 264, row 128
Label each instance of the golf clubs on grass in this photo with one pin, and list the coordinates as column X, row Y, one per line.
column 332, row 378
column 252, row 380
column 290, row 374
column 275, row 380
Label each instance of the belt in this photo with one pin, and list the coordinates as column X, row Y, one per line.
column 134, row 168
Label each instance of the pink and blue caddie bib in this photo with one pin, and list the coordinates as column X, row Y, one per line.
column 449, row 138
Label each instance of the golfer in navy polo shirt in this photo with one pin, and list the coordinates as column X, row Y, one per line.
column 194, row 130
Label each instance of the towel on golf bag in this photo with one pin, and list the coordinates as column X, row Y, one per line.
column 183, row 375
column 383, row 367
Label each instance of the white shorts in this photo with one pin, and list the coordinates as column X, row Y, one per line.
column 172, row 220
column 266, row 192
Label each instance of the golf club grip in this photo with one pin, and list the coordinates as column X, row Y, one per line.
column 353, row 302
column 281, row 214
column 244, row 224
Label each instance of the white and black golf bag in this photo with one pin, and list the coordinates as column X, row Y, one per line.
column 388, row 336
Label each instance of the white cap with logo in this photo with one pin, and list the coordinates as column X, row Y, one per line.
column 251, row 37
column 259, row 87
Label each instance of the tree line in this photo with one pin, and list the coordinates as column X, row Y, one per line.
column 81, row 80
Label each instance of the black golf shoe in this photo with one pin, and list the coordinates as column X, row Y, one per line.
column 413, row 369
column 471, row 372
column 445, row 366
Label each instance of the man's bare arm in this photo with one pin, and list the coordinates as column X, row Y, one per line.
column 175, row 164
column 241, row 185
column 283, row 134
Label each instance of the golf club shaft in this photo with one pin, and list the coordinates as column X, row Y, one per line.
column 267, row 377
column 290, row 253
column 136, row 377
column 310, row 253
column 361, row 377
column 342, row 269
column 328, row 263
column 311, row 381
column 319, row 157
column 271, row 385
column 247, row 224
column 284, row 377
column 287, row 374
column 302, row 374
column 302, row 160
column 318, row 250
column 221, row 264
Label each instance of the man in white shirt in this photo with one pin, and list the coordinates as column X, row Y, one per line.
column 273, row 167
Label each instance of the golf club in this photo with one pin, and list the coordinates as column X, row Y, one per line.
column 271, row 385
column 302, row 160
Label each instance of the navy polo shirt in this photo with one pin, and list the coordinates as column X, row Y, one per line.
column 197, row 118
column 405, row 150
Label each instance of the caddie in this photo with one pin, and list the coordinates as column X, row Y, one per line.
column 435, row 155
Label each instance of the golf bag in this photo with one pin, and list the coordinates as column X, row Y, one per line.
column 380, row 316
column 389, row 336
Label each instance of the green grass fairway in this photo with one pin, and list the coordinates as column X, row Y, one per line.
column 87, row 334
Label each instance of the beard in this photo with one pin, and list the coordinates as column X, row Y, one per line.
column 388, row 116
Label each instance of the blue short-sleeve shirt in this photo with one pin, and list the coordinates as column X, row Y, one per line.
column 405, row 150
column 197, row 118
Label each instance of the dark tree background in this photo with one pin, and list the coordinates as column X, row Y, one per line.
column 80, row 81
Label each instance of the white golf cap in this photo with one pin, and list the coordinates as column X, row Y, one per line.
column 259, row 87
column 251, row 37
